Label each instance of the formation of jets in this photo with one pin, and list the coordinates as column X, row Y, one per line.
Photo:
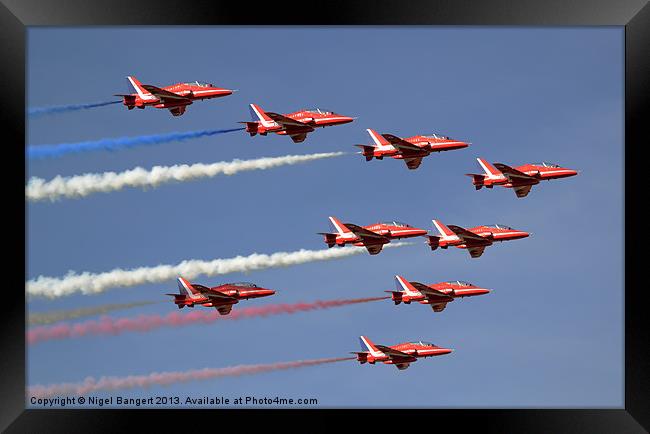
column 373, row 237
column 297, row 125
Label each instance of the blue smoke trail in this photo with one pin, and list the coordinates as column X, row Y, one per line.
column 53, row 151
column 40, row 111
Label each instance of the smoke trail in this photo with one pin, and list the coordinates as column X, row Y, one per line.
column 84, row 185
column 93, row 283
column 142, row 323
column 43, row 318
column 58, row 150
column 90, row 385
column 40, row 111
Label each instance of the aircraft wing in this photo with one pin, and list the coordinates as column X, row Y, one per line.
column 287, row 122
column 163, row 94
column 430, row 293
column 523, row 190
column 365, row 233
column 217, row 296
column 476, row 252
column 372, row 241
column 413, row 163
column 394, row 354
column 470, row 238
column 402, row 145
column 514, row 175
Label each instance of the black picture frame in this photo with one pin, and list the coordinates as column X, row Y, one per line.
column 634, row 15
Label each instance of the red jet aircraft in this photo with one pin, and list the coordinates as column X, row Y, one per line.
column 220, row 297
column 475, row 240
column 437, row 295
column 295, row 125
column 521, row 178
column 372, row 237
column 411, row 149
column 176, row 97
column 400, row 355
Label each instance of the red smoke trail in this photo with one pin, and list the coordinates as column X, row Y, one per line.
column 142, row 323
column 90, row 385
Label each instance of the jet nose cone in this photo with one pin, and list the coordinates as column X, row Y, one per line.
column 347, row 119
column 221, row 91
column 481, row 291
column 571, row 172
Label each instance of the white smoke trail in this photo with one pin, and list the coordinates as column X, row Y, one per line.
column 89, row 183
column 94, row 283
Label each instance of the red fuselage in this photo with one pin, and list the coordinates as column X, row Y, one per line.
column 310, row 119
column 188, row 91
column 235, row 291
column 390, row 231
column 490, row 233
column 427, row 144
column 452, row 289
column 538, row 172
column 414, row 349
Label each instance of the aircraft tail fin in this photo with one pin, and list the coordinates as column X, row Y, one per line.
column 257, row 114
column 444, row 230
column 185, row 288
column 340, row 227
column 367, row 345
column 489, row 169
column 379, row 140
column 404, row 285
column 141, row 91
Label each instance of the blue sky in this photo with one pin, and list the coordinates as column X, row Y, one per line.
column 549, row 335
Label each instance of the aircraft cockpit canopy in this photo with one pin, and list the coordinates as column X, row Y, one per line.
column 423, row 343
column 555, row 166
column 394, row 223
column 437, row 136
column 459, row 282
column 500, row 227
column 246, row 284
column 319, row 111
column 199, row 84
